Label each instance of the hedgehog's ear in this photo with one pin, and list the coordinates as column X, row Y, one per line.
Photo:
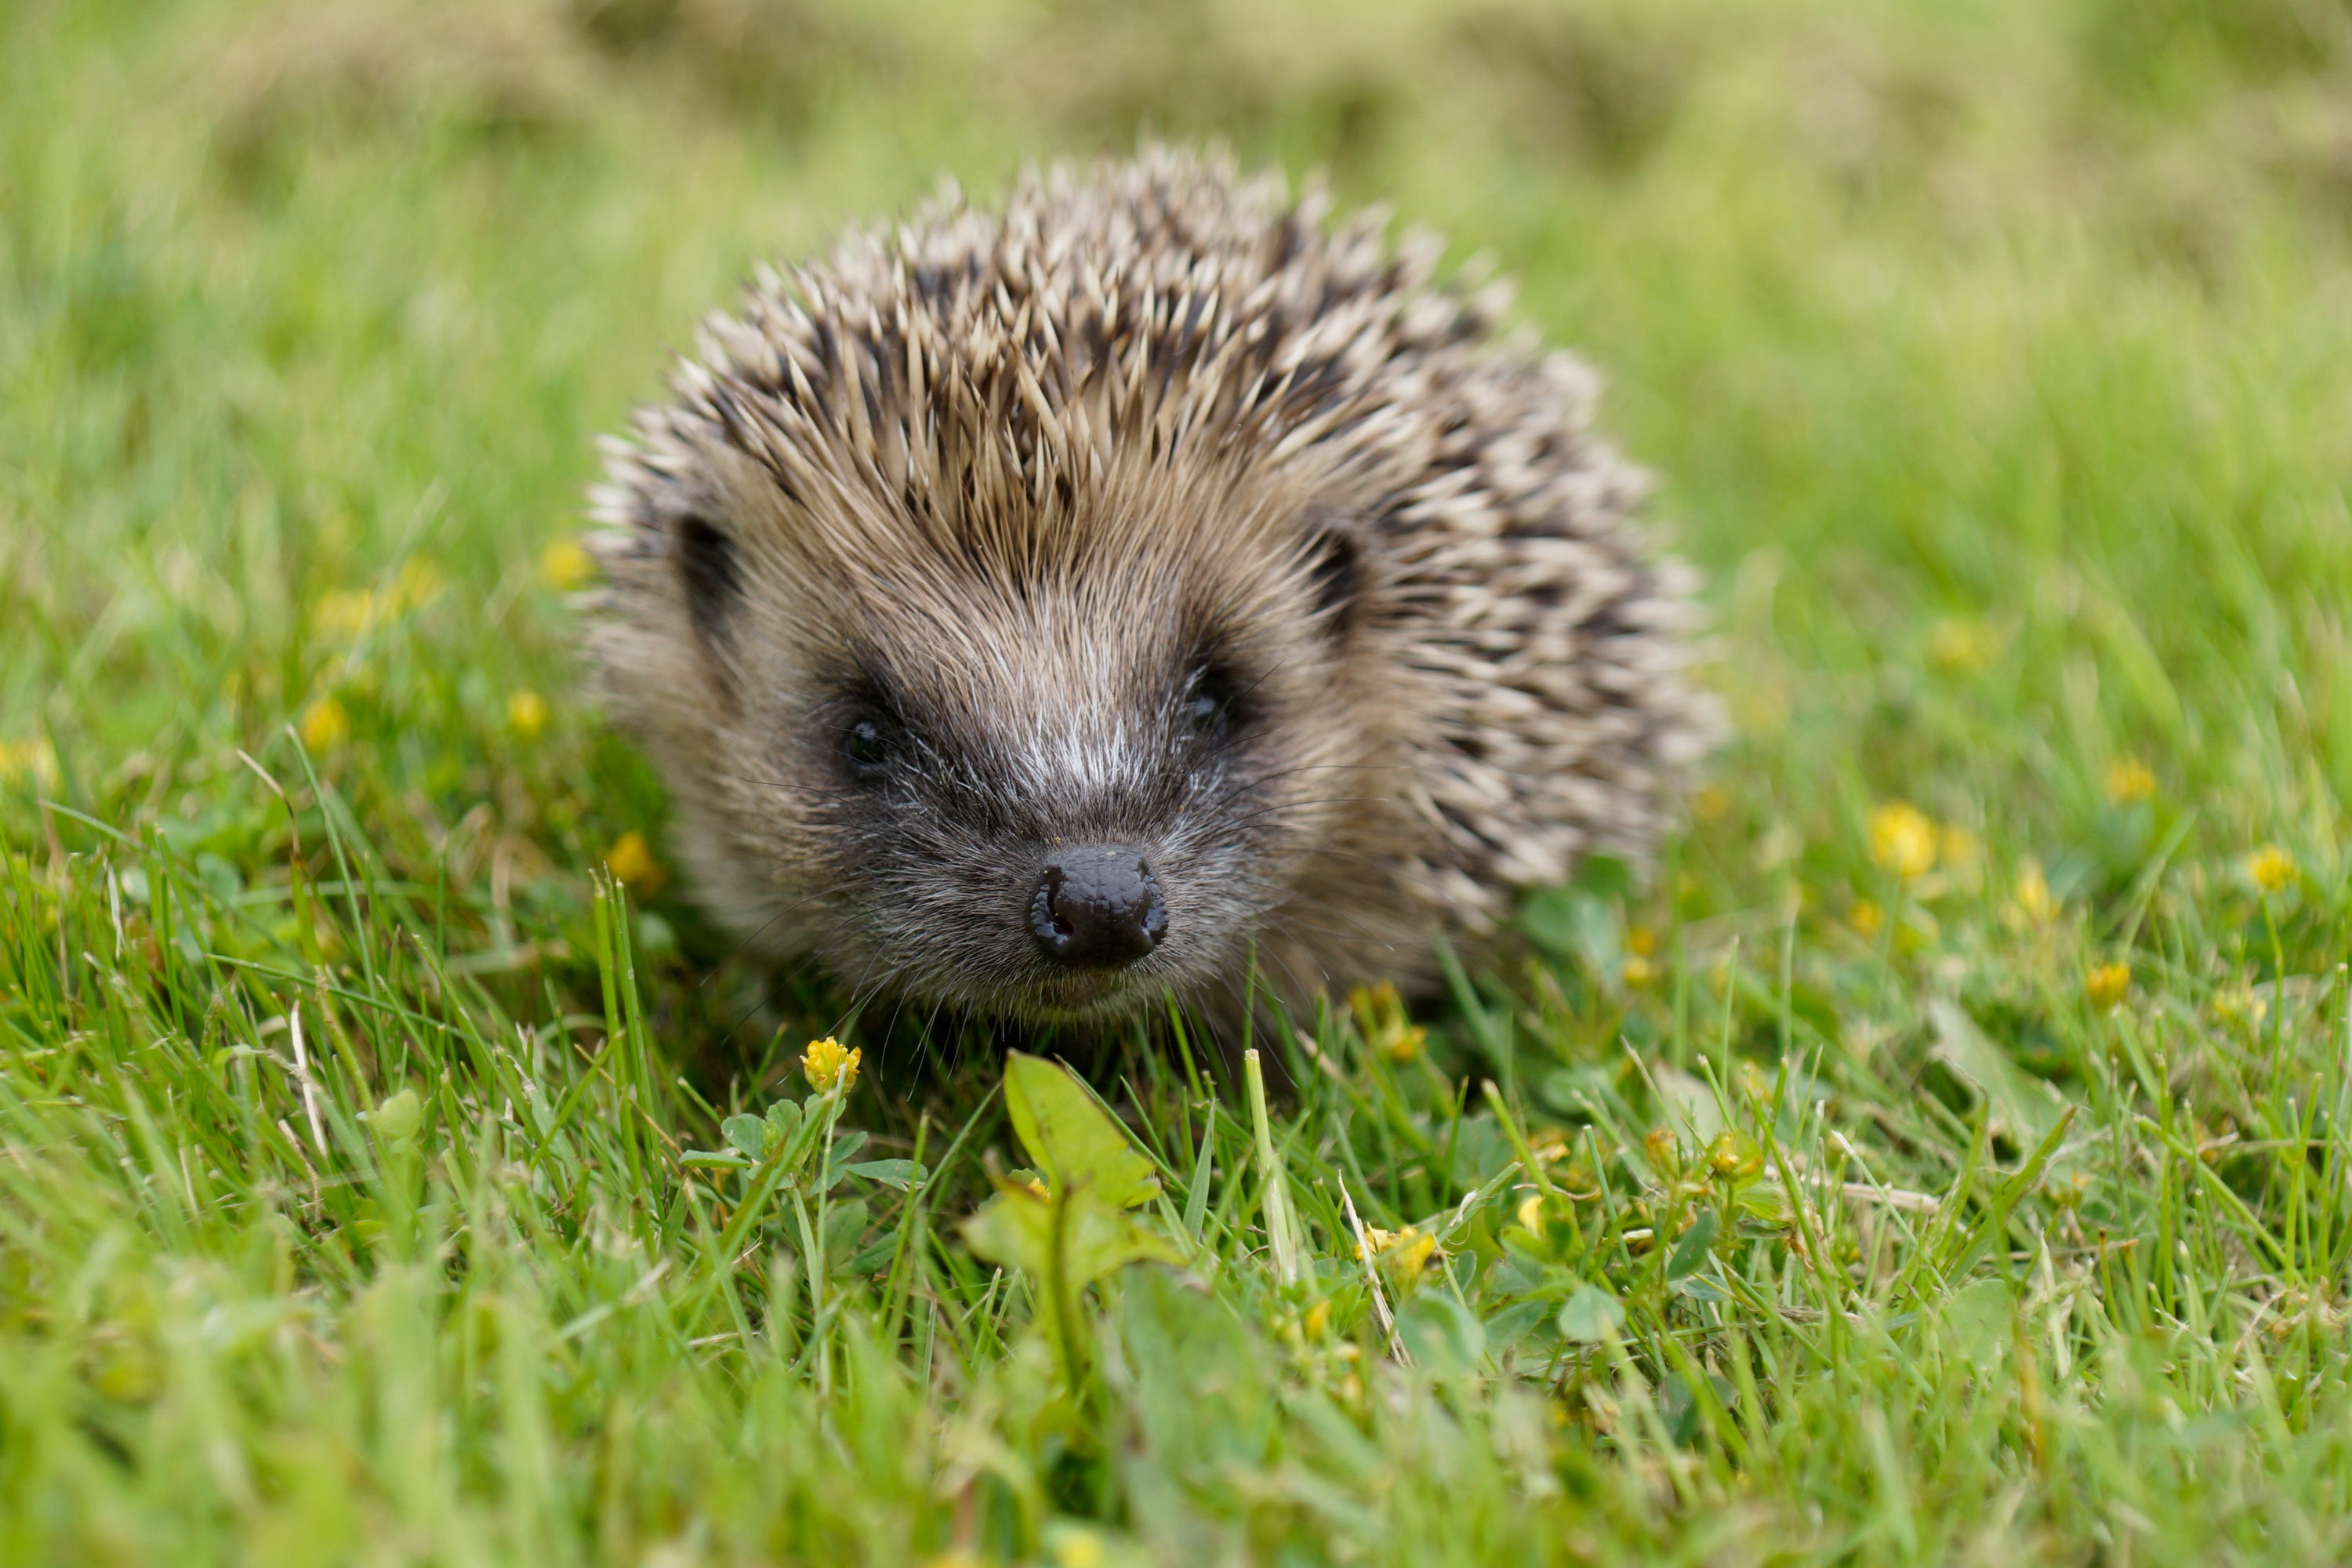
column 710, row 573
column 1335, row 575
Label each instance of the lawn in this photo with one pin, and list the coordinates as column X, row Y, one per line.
column 1944, row 1154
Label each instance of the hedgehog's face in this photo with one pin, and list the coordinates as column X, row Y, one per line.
column 1059, row 793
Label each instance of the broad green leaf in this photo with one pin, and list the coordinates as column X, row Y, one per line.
column 844, row 1151
column 1514, row 1323
column 397, row 1119
column 1442, row 1335
column 1690, row 1253
column 783, row 1120
column 1699, row 1287
column 1591, row 1315
column 1976, row 1322
column 747, row 1134
column 844, row 1224
column 1073, row 1141
column 899, row 1174
column 1016, row 1228
column 2026, row 1107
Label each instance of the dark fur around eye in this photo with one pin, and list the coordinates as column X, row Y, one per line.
column 1208, row 707
column 870, row 745
column 713, row 579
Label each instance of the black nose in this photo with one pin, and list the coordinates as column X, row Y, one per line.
column 1097, row 907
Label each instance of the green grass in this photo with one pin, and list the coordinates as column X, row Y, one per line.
column 1996, row 362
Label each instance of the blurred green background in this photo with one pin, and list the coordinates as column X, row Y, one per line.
column 2014, row 325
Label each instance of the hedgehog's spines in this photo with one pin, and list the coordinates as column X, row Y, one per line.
column 1131, row 330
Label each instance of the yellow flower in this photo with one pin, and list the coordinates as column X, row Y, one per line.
column 325, row 725
column 1531, row 1211
column 1866, row 919
column 2129, row 782
column 33, row 760
column 347, row 612
column 565, row 565
column 2239, row 1004
column 828, row 1067
column 1075, row 1547
column 527, row 713
column 1709, row 803
column 2271, row 868
column 2034, row 898
column 631, row 859
column 1902, row 839
column 1961, row 645
column 1381, row 1019
column 344, row 612
column 1639, row 971
column 2106, row 985
column 418, row 584
column 1318, row 1317
column 1407, row 1251
column 1642, row 941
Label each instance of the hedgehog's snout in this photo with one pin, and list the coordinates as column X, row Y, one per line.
column 1098, row 908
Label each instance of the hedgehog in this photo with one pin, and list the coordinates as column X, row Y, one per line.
column 1056, row 613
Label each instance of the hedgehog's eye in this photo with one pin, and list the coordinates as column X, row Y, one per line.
column 865, row 744
column 714, row 582
column 1205, row 710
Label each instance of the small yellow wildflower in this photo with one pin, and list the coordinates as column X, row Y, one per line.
column 1531, row 1211
column 1381, row 1019
column 1319, row 1318
column 1961, row 645
column 1642, row 941
column 1902, row 839
column 344, row 612
column 565, row 565
column 1866, row 919
column 828, row 1067
column 527, row 713
column 2128, row 782
column 2239, row 1004
column 325, row 725
column 347, row 612
column 2106, row 985
column 33, row 760
column 419, row 583
column 2034, row 898
column 1409, row 1251
column 2271, row 868
column 1075, row 1547
column 1639, row 971
column 631, row 859
column 1730, row 1157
